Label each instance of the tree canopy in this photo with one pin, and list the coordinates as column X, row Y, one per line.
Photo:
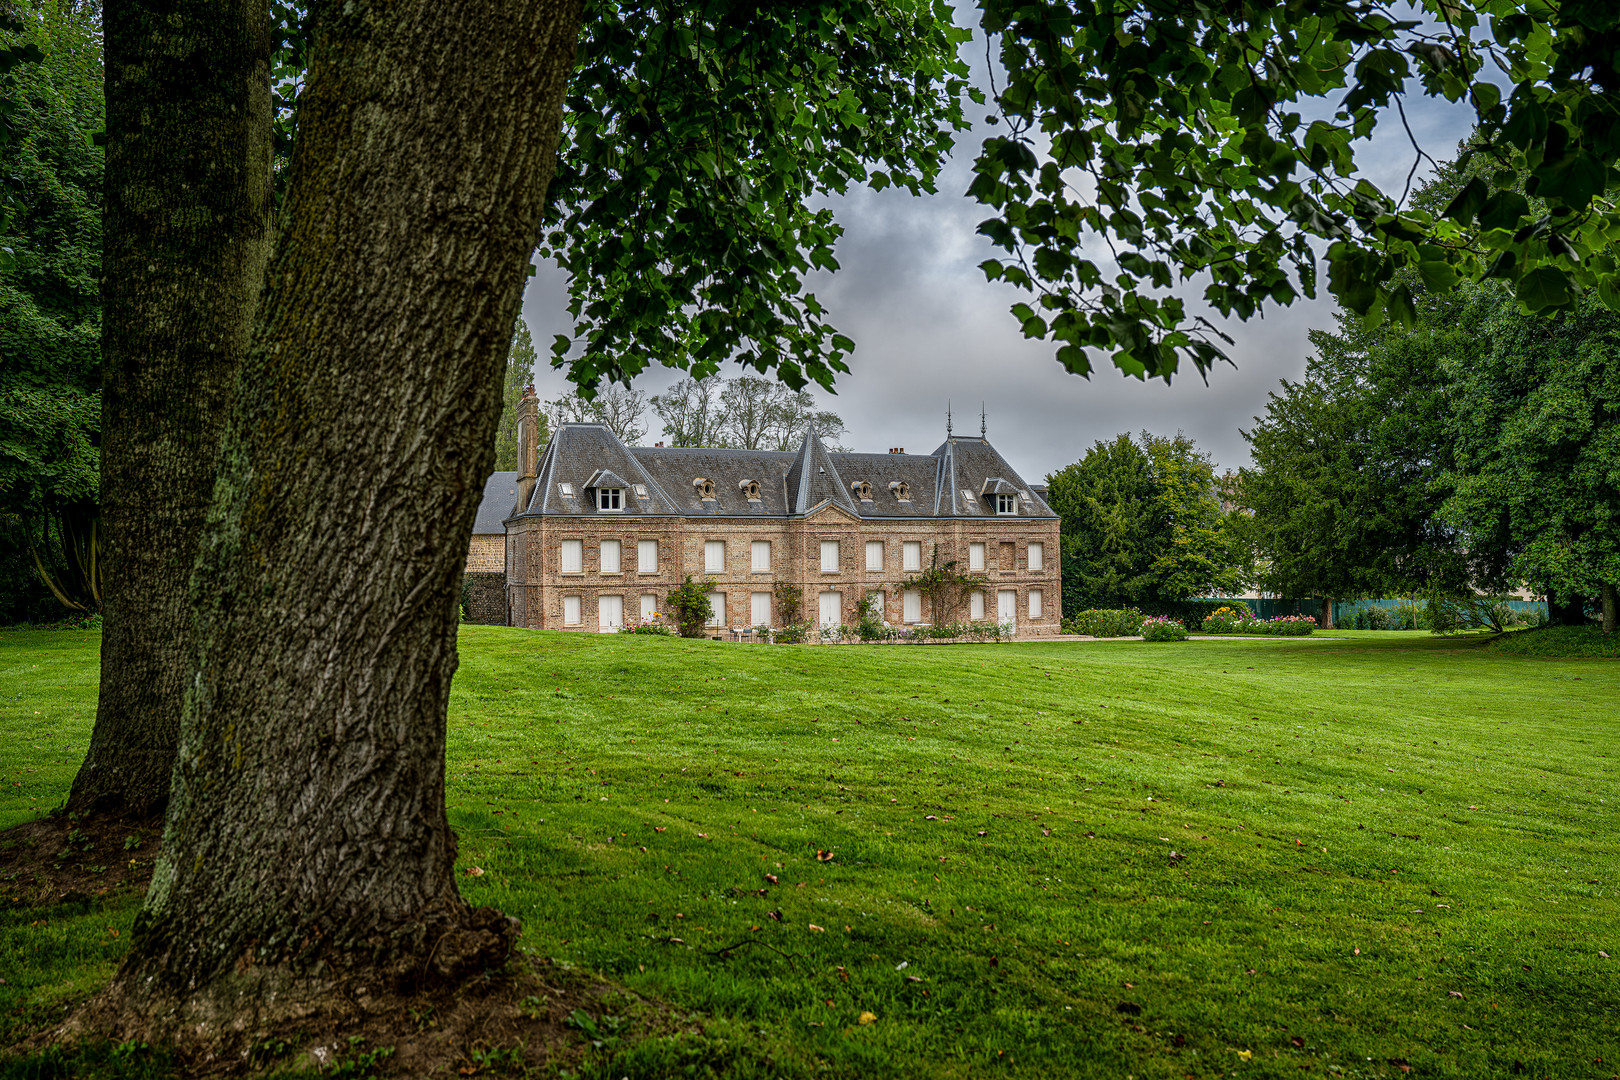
column 1141, row 521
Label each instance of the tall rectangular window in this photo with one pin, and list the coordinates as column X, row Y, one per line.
column 717, row 609
column 573, row 556
column 911, row 605
column 761, row 551
column 714, row 556
column 829, row 555
column 976, row 605
column 874, row 554
column 911, row 555
column 610, row 556
column 571, row 609
column 759, row 609
column 649, row 606
column 1035, row 599
column 647, row 556
column 975, row 556
column 1037, row 556
column 609, row 613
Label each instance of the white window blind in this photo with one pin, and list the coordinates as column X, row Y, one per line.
column 714, row 556
column 610, row 556
column 761, row 555
column 573, row 557
column 911, row 601
column 649, row 606
column 717, row 609
column 1035, row 603
column 609, row 613
column 829, row 555
column 911, row 555
column 1037, row 556
column 570, row 611
column 647, row 556
column 975, row 556
column 976, row 605
column 874, row 554
column 759, row 609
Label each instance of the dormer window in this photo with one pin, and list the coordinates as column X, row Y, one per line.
column 862, row 490
column 750, row 489
column 610, row 498
column 704, row 487
column 1006, row 502
column 901, row 489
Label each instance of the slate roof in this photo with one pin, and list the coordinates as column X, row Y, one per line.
column 500, row 499
column 667, row 480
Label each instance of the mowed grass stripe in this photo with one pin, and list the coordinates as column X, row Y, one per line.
column 1464, row 800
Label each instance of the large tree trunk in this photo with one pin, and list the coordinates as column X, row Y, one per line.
column 1571, row 613
column 308, row 856
column 188, row 228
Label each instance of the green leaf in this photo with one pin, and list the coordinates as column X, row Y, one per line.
column 1438, row 276
column 1468, row 202
column 1503, row 210
column 1544, row 287
column 1576, row 179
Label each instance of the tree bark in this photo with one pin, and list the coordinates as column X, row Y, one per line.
column 1609, row 605
column 1572, row 613
column 188, row 229
column 307, row 854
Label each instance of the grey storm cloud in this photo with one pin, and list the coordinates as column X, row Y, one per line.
column 929, row 329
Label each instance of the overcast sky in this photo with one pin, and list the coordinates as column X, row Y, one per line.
column 928, row 328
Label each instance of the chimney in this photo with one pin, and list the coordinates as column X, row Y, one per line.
column 528, row 445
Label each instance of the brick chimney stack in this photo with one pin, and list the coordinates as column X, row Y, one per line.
column 528, row 445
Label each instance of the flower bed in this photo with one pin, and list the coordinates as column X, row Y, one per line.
column 1105, row 622
column 1163, row 628
column 1243, row 621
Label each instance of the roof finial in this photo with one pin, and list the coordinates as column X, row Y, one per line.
column 947, row 418
column 981, row 420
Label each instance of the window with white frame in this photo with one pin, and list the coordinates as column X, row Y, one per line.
column 976, row 605
column 760, row 551
column 829, row 555
column 874, row 554
column 717, row 609
column 1037, row 556
column 911, row 555
column 1035, row 598
column 573, row 556
column 647, row 556
column 1006, row 502
column 911, row 605
column 714, row 556
column 975, row 556
column 571, row 610
column 759, row 609
column 610, row 556
column 610, row 498
column 649, row 606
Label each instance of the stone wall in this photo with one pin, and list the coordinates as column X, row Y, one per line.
column 487, row 553
column 483, row 593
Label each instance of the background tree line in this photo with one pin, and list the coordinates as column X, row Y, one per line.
column 747, row 412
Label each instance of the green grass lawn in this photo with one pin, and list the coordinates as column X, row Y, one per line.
column 1275, row 857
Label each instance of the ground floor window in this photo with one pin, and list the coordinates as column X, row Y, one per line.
column 1007, row 606
column 717, row 609
column 832, row 608
column 976, row 605
column 759, row 609
column 649, row 606
column 1035, row 599
column 911, row 605
column 571, row 611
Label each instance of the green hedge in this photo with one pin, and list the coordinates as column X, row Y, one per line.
column 1105, row 622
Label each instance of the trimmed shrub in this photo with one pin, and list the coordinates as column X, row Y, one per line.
column 1103, row 622
column 690, row 603
column 1559, row 642
column 1163, row 628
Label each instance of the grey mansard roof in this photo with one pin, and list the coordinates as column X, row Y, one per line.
column 500, row 500
column 669, row 481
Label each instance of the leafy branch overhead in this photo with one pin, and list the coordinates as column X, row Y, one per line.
column 1154, row 142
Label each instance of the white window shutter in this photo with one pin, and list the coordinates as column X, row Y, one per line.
column 1035, row 599
column 647, row 556
column 610, row 556
column 571, row 611
column 911, row 555
column 573, row 557
column 1037, row 556
column 761, row 552
column 912, row 603
column 714, row 556
column 975, row 556
column 874, row 554
column 717, row 609
column 829, row 555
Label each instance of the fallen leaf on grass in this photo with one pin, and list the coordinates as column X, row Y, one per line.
column 817, row 929
column 771, row 878
column 1454, row 993
column 1298, row 1042
column 930, row 817
column 475, row 871
column 1245, row 1054
column 824, row 856
column 1603, row 954
column 867, row 1018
